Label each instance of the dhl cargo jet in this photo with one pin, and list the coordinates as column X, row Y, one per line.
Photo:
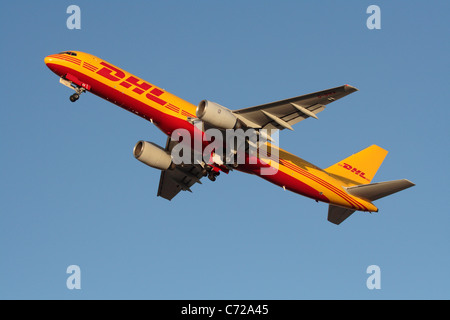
column 346, row 186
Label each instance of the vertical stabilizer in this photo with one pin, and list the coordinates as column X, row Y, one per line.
column 359, row 168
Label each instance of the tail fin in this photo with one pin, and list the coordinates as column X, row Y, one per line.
column 359, row 168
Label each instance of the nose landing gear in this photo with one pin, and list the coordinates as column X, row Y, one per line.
column 74, row 97
column 78, row 90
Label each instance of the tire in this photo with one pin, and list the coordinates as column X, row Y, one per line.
column 74, row 97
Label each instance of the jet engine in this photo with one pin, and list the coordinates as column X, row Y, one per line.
column 152, row 155
column 216, row 115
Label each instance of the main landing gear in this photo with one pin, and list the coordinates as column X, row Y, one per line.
column 212, row 175
column 208, row 171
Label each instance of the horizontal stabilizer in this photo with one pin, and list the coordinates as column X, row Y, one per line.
column 379, row 190
column 337, row 214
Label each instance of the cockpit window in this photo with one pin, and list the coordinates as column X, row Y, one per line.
column 69, row 53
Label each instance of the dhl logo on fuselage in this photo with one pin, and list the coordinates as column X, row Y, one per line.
column 140, row 86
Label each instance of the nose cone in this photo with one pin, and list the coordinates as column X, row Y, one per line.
column 54, row 65
column 50, row 62
column 47, row 60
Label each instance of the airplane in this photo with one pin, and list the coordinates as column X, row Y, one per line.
column 345, row 186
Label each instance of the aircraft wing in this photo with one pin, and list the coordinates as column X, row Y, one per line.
column 178, row 179
column 285, row 113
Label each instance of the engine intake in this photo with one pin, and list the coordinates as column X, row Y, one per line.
column 216, row 115
column 152, row 155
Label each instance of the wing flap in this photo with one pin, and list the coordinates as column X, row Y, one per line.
column 182, row 178
column 179, row 179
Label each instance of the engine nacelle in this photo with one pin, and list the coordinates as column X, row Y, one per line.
column 216, row 115
column 152, row 155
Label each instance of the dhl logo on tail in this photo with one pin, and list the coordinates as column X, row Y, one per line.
column 359, row 168
column 354, row 170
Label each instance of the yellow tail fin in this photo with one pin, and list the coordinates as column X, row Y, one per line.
column 359, row 168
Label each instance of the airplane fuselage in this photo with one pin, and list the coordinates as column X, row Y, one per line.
column 169, row 113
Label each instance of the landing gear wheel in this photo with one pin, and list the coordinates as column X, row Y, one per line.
column 74, row 97
column 211, row 177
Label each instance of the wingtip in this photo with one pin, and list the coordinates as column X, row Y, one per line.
column 412, row 184
column 348, row 87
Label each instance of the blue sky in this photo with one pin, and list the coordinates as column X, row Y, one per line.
column 73, row 194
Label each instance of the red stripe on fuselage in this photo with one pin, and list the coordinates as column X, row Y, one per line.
column 325, row 184
column 90, row 66
column 69, row 59
column 172, row 107
column 187, row 114
column 65, row 56
column 282, row 179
